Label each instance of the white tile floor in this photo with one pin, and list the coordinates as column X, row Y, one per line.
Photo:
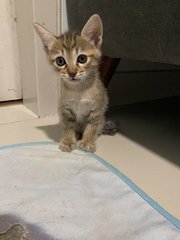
column 14, row 112
column 152, row 171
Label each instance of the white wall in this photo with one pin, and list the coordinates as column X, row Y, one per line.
column 64, row 18
column 10, row 80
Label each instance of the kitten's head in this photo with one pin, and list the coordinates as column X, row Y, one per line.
column 75, row 55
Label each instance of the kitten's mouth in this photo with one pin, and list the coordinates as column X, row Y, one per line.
column 74, row 79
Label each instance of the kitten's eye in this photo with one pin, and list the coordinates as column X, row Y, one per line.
column 82, row 58
column 60, row 61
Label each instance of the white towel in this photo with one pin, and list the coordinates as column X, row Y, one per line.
column 70, row 196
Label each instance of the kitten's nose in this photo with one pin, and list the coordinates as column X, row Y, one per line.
column 72, row 74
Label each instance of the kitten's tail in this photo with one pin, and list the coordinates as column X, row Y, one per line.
column 110, row 128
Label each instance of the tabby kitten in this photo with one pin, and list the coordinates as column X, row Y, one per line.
column 83, row 98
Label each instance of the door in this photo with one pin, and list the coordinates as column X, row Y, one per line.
column 10, row 81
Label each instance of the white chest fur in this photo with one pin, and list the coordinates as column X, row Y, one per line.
column 80, row 103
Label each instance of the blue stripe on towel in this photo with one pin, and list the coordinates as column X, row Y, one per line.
column 133, row 186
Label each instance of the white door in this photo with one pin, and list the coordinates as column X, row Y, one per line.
column 10, row 81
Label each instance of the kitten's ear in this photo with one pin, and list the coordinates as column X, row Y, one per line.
column 47, row 37
column 93, row 30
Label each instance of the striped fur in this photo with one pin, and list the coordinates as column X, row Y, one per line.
column 83, row 99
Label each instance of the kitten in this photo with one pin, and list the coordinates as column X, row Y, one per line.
column 83, row 99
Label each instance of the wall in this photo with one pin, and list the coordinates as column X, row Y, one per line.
column 10, row 79
column 64, row 18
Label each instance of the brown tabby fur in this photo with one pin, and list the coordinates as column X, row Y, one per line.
column 83, row 98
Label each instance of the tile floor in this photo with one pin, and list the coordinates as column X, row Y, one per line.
column 147, row 149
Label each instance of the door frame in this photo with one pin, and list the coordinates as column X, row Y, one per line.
column 39, row 80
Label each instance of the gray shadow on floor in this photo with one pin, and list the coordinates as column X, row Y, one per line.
column 52, row 131
column 33, row 232
column 153, row 124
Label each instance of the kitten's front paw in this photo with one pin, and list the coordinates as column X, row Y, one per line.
column 91, row 147
column 67, row 147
